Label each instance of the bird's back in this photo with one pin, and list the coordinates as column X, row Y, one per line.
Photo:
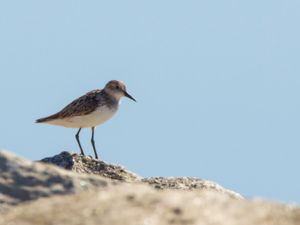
column 94, row 102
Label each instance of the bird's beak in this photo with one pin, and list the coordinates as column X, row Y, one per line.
column 129, row 96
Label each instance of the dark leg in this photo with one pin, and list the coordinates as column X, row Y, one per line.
column 78, row 141
column 93, row 143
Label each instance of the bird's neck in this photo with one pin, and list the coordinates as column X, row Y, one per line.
column 113, row 99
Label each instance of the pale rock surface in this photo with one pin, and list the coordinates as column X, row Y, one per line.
column 94, row 192
column 138, row 204
column 23, row 180
column 88, row 165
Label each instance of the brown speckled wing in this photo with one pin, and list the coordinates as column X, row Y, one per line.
column 80, row 106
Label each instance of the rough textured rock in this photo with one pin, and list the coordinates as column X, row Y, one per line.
column 88, row 165
column 93, row 192
column 187, row 183
column 142, row 205
column 23, row 180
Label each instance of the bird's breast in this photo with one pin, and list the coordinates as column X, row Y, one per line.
column 99, row 116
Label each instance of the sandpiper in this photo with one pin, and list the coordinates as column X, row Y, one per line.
column 90, row 110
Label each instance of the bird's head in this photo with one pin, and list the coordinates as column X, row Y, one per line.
column 117, row 89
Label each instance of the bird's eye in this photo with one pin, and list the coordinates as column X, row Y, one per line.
column 117, row 87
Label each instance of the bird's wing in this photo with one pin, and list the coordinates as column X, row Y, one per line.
column 81, row 106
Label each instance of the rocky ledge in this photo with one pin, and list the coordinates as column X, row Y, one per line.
column 87, row 165
column 73, row 189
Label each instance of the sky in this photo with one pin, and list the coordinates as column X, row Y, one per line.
column 216, row 82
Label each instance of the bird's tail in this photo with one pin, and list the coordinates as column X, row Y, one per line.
column 46, row 119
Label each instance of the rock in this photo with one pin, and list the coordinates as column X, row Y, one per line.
column 142, row 205
column 94, row 192
column 88, row 165
column 188, row 183
column 22, row 180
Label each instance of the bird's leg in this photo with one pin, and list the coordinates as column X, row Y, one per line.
column 78, row 141
column 93, row 143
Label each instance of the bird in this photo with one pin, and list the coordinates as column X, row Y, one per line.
column 90, row 110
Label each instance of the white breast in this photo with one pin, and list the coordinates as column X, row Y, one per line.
column 99, row 116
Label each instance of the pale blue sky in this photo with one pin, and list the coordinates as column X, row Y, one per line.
column 217, row 84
